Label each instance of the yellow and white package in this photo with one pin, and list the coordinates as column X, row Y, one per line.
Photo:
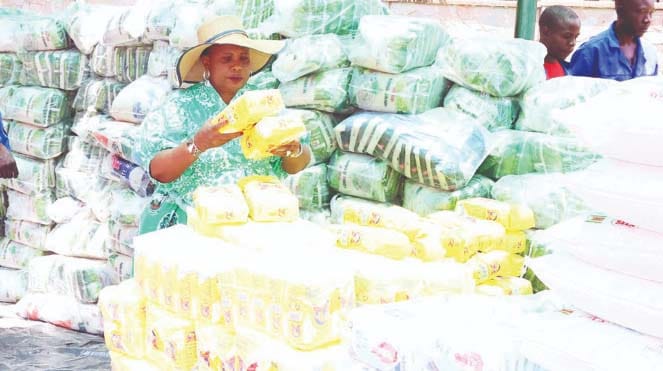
column 209, row 298
column 202, row 228
column 120, row 362
column 271, row 133
column 379, row 281
column 514, row 217
column 505, row 286
column 496, row 263
column 435, row 242
column 347, row 209
column 514, row 242
column 123, row 311
column 223, row 204
column 269, row 200
column 478, row 235
column 445, row 277
column 216, row 349
column 248, row 109
column 373, row 240
column 170, row 341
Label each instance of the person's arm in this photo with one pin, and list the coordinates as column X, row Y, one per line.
column 8, row 168
column 584, row 63
column 295, row 156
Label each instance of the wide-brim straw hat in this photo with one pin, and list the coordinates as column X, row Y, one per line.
column 224, row 30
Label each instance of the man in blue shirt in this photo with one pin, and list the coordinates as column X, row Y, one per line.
column 618, row 53
column 8, row 167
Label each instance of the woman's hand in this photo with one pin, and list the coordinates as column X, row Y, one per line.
column 296, row 156
column 209, row 136
column 291, row 150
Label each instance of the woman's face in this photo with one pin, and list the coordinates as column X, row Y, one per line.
column 228, row 66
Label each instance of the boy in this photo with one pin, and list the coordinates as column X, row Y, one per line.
column 559, row 27
column 618, row 53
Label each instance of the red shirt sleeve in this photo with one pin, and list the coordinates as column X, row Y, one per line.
column 554, row 69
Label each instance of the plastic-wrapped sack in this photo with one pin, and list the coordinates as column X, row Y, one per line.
column 346, row 209
column 248, row 109
column 414, row 91
column 631, row 302
column 133, row 176
column 499, row 67
column 16, row 255
column 74, row 277
column 270, row 133
column 77, row 184
column 296, row 18
column 37, row 142
column 325, row 91
column 97, row 95
column 126, row 206
column 102, row 61
column 83, row 156
column 123, row 265
column 396, row 44
column 14, row 285
column 221, row 204
column 123, row 308
column 309, row 54
column 363, row 176
column 127, row 27
column 123, row 234
column 64, row 209
column 486, row 266
column 117, row 137
column 263, row 80
column 519, row 152
column 514, row 217
column 29, row 31
column 131, row 62
column 38, row 106
column 505, row 286
column 10, row 69
column 27, row 233
column 66, row 69
column 163, row 60
column 319, row 133
column 34, row 176
column 373, row 240
column 60, row 310
column 269, row 200
column 545, row 194
column 599, row 122
column 425, row 200
column 540, row 101
column 441, row 148
column 30, row 207
column 310, row 186
column 493, row 113
column 86, row 24
column 81, row 237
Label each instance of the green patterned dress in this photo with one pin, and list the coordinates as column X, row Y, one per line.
column 171, row 124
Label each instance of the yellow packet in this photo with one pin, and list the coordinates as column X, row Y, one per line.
column 120, row 362
column 216, row 348
column 384, row 281
column 514, row 242
column 269, row 134
column 515, row 217
column 221, row 204
column 435, row 242
column 373, row 240
column 477, row 235
column 496, row 263
column 123, row 311
column 202, row 228
column 248, row 109
column 171, row 340
column 505, row 286
column 269, row 200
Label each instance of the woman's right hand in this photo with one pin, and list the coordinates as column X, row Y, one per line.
column 209, row 136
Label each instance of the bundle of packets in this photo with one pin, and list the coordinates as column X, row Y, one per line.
column 248, row 109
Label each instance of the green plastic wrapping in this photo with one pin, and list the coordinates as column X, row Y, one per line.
column 396, row 44
column 414, row 91
column 363, row 176
column 493, row 113
column 27, row 233
column 122, row 265
column 441, row 148
column 296, row 18
column 17, row 255
column 31, row 208
column 309, row 54
column 325, row 91
column 62, row 69
column 521, row 152
column 537, row 245
column 425, row 200
column 499, row 67
column 102, row 61
column 42, row 143
column 80, row 278
column 539, row 102
column 263, row 80
column 319, row 133
column 545, row 194
column 310, row 187
column 10, row 69
column 14, row 284
column 37, row 106
column 131, row 62
column 97, row 95
column 254, row 12
column 34, row 175
column 31, row 32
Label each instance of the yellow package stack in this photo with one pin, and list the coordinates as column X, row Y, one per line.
column 515, row 242
column 445, row 277
column 269, row 200
column 505, row 286
column 120, row 362
column 381, row 281
column 373, row 240
column 170, row 341
column 435, row 242
column 123, row 310
column 217, row 349
column 271, row 133
column 248, row 109
column 513, row 217
column 211, row 296
column 346, row 209
column 486, row 266
column 223, row 204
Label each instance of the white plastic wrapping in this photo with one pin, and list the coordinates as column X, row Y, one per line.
column 14, row 284
column 34, row 176
column 86, row 24
column 97, row 95
column 64, row 209
column 81, row 237
column 138, row 98
column 42, row 143
column 30, row 207
column 493, row 113
column 309, row 54
column 27, row 233
column 63, row 311
column 16, row 255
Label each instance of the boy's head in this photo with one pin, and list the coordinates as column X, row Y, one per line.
column 634, row 16
column 559, row 27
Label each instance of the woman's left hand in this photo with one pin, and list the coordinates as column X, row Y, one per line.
column 288, row 150
column 296, row 156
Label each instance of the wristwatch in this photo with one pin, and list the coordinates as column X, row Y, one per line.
column 192, row 148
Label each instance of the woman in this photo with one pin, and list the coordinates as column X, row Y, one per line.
column 179, row 144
